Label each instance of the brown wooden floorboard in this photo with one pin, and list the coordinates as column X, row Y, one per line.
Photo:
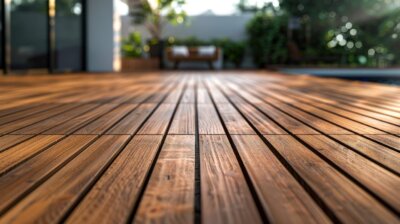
column 198, row 147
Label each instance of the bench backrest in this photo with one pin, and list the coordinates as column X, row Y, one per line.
column 193, row 55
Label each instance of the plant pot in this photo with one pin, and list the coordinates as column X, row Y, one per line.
column 139, row 64
column 157, row 50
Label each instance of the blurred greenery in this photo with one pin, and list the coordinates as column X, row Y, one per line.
column 336, row 32
column 154, row 14
column 267, row 39
column 132, row 46
column 233, row 51
column 191, row 41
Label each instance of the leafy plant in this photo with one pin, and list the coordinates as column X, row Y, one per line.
column 191, row 41
column 132, row 45
column 155, row 14
column 234, row 51
column 267, row 39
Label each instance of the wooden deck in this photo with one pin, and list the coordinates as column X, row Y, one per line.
column 198, row 147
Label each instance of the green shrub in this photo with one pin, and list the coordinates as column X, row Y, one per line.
column 132, row 46
column 189, row 41
column 267, row 39
column 234, row 51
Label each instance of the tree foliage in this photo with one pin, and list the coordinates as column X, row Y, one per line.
column 155, row 14
column 360, row 32
column 267, row 39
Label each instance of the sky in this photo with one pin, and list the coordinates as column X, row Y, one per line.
column 221, row 7
column 197, row 7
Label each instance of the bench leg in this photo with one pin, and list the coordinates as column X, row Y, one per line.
column 211, row 65
column 176, row 65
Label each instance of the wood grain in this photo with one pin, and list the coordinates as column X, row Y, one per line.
column 283, row 198
column 24, row 177
column 19, row 153
column 7, row 141
column 131, row 123
column 184, row 120
column 112, row 198
column 169, row 195
column 86, row 148
column 157, row 124
column 334, row 188
column 389, row 140
column 375, row 151
column 377, row 179
column 225, row 196
column 53, row 198
column 103, row 123
column 209, row 122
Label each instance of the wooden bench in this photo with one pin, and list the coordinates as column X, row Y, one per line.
column 193, row 56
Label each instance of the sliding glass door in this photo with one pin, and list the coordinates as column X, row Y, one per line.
column 68, row 35
column 42, row 35
column 1, row 38
column 29, row 34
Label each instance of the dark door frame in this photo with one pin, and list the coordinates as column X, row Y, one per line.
column 51, row 36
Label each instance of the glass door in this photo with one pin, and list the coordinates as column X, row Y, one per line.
column 29, row 35
column 68, row 36
column 1, row 38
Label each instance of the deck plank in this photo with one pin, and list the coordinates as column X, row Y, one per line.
column 184, row 120
column 113, row 196
column 265, row 148
column 169, row 196
column 389, row 140
column 44, row 125
column 29, row 174
column 283, row 198
column 131, row 123
column 19, row 153
column 7, row 141
column 383, row 183
column 209, row 122
column 225, row 196
column 65, row 186
column 375, row 151
column 158, row 122
column 19, row 124
column 334, row 188
column 73, row 124
column 103, row 123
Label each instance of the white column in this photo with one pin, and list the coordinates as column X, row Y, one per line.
column 103, row 29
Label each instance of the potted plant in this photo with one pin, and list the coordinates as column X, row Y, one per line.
column 154, row 15
column 132, row 54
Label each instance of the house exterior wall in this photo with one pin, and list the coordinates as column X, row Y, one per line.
column 101, row 54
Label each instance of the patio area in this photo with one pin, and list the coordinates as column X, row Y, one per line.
column 198, row 147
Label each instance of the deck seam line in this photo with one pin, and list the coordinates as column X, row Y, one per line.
column 147, row 178
column 326, row 135
column 253, row 192
column 70, row 209
column 307, row 188
column 197, row 167
column 30, row 190
column 327, row 160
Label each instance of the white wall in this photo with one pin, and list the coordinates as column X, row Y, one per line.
column 100, row 35
column 203, row 27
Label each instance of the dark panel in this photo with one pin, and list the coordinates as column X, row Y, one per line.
column 29, row 34
column 68, row 35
